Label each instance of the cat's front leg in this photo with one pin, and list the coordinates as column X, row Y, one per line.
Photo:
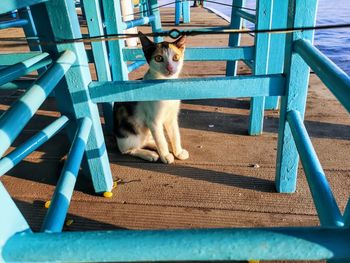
column 162, row 145
column 172, row 128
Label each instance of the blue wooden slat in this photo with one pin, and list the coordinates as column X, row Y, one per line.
column 11, row 219
column 200, row 54
column 22, row 68
column 325, row 203
column 156, row 24
column 304, row 243
column 194, row 88
column 95, row 26
column 18, row 84
column 262, row 49
column 13, row 23
column 138, row 22
column 26, row 148
column 332, row 76
column 63, row 16
column 186, row 11
column 245, row 15
column 277, row 45
column 13, row 58
column 10, row 5
column 19, row 114
column 234, row 39
column 59, row 205
column 178, row 12
column 297, row 72
column 135, row 65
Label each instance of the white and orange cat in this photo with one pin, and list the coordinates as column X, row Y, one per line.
column 139, row 126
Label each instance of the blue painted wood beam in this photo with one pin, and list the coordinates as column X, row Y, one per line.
column 30, row 145
column 297, row 74
column 11, row 219
column 186, row 11
column 156, row 24
column 194, row 88
column 302, row 243
column 17, row 84
column 136, row 65
column 325, row 203
column 245, row 15
column 200, row 54
column 347, row 215
column 10, row 5
column 332, row 76
column 22, row 68
column 13, row 58
column 18, row 115
column 178, row 12
column 60, row 201
column 13, row 23
column 138, row 22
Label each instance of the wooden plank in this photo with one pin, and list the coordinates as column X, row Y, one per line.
column 297, row 72
column 230, row 87
column 10, row 5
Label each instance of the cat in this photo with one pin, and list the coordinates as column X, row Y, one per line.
column 139, row 126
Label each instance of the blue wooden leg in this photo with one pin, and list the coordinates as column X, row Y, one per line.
column 271, row 103
column 186, row 11
column 156, row 24
column 297, row 73
column 178, row 8
column 72, row 94
column 234, row 39
column 262, row 42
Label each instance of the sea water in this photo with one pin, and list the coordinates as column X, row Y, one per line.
column 334, row 43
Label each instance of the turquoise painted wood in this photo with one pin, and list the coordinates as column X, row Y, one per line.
column 262, row 50
column 10, row 5
column 178, row 12
column 337, row 81
column 8, row 59
column 277, row 44
column 156, row 24
column 297, row 72
column 93, row 15
column 22, row 151
column 138, row 22
column 18, row 115
column 307, row 243
column 200, row 54
column 194, row 88
column 61, row 14
column 56, row 215
column 13, row 23
column 30, row 30
column 234, row 39
column 11, row 219
column 325, row 203
column 186, row 11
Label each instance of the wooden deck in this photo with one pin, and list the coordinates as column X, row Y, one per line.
column 227, row 182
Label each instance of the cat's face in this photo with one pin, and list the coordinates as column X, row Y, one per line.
column 164, row 58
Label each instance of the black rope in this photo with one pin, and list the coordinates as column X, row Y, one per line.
column 175, row 33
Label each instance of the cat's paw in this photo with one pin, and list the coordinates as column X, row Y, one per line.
column 167, row 158
column 183, row 155
column 152, row 157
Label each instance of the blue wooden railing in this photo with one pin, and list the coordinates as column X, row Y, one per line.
column 77, row 96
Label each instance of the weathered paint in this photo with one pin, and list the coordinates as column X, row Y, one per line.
column 60, row 201
column 325, row 203
column 261, row 62
column 194, row 88
column 19, row 114
column 61, row 14
column 30, row 145
column 332, row 76
column 297, row 72
column 307, row 243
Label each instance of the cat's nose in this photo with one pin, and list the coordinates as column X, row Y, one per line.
column 170, row 68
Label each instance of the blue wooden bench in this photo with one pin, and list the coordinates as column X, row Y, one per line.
column 68, row 74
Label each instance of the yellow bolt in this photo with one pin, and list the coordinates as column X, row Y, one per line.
column 108, row 194
column 69, row 222
column 47, row 204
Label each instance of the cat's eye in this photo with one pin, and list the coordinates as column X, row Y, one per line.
column 176, row 58
column 158, row 58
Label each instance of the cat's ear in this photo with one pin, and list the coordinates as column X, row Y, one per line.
column 180, row 42
column 148, row 46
